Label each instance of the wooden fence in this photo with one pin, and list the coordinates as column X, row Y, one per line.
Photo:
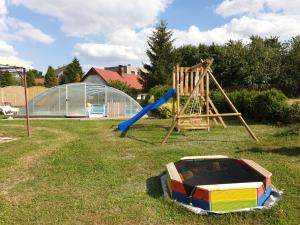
column 15, row 94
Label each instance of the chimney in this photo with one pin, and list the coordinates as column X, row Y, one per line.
column 121, row 70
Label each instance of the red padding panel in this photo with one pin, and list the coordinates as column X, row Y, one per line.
column 201, row 194
column 177, row 187
column 260, row 190
column 268, row 182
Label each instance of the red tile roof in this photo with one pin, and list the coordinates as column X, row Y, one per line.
column 108, row 76
column 39, row 81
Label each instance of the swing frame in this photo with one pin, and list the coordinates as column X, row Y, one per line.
column 195, row 82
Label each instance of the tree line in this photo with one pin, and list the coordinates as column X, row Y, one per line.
column 72, row 73
column 260, row 64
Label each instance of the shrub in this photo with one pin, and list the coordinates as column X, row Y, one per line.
column 264, row 106
column 123, row 87
column 165, row 111
column 155, row 93
column 294, row 113
column 158, row 91
column 271, row 106
column 219, row 101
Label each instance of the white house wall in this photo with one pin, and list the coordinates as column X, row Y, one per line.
column 94, row 79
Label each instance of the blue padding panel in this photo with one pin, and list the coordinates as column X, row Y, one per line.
column 180, row 197
column 200, row 203
column 264, row 196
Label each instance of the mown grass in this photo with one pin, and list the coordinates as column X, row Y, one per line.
column 83, row 172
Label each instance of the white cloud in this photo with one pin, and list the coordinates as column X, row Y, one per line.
column 15, row 29
column 19, row 30
column 80, row 18
column 288, row 6
column 250, row 17
column 106, row 52
column 15, row 61
column 126, row 25
column 9, row 56
column 124, row 46
column 262, row 17
column 239, row 7
column 194, row 36
column 269, row 24
column 6, row 48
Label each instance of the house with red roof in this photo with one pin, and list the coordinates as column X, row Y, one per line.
column 102, row 76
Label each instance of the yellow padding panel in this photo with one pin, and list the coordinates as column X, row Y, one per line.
column 232, row 195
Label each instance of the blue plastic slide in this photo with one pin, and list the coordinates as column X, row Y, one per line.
column 125, row 125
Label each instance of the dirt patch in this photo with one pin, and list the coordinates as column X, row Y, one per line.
column 6, row 139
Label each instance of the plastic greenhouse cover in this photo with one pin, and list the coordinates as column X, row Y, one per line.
column 274, row 197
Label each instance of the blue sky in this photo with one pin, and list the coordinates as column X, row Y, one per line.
column 38, row 33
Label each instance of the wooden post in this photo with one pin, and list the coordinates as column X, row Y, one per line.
column 26, row 101
column 209, row 115
column 174, row 97
column 181, row 82
column 176, row 121
column 214, row 119
column 217, row 112
column 192, row 82
column 207, row 99
column 186, row 88
column 207, row 66
column 233, row 107
column 200, row 94
column 197, row 77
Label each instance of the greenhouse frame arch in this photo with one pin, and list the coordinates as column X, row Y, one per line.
column 82, row 100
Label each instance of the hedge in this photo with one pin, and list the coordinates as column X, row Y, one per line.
column 262, row 106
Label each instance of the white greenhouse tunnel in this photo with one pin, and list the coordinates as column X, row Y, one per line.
column 82, row 100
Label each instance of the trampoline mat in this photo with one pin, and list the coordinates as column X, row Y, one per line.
column 216, row 171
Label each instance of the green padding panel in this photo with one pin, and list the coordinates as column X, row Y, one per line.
column 232, row 205
column 169, row 184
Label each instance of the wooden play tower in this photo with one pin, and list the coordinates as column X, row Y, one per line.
column 192, row 84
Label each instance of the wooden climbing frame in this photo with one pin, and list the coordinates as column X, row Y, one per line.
column 193, row 83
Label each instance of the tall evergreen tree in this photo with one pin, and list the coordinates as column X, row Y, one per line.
column 7, row 79
column 37, row 74
column 50, row 78
column 73, row 72
column 161, row 56
column 30, row 77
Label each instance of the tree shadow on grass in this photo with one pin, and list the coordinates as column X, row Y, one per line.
column 153, row 185
column 178, row 137
column 288, row 151
column 149, row 126
column 142, row 139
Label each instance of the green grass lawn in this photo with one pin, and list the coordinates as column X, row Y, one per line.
column 83, row 172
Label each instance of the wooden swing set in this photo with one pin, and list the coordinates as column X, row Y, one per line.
column 193, row 83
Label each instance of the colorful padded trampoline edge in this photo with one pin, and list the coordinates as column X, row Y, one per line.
column 175, row 186
column 234, row 199
column 201, row 198
column 264, row 196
